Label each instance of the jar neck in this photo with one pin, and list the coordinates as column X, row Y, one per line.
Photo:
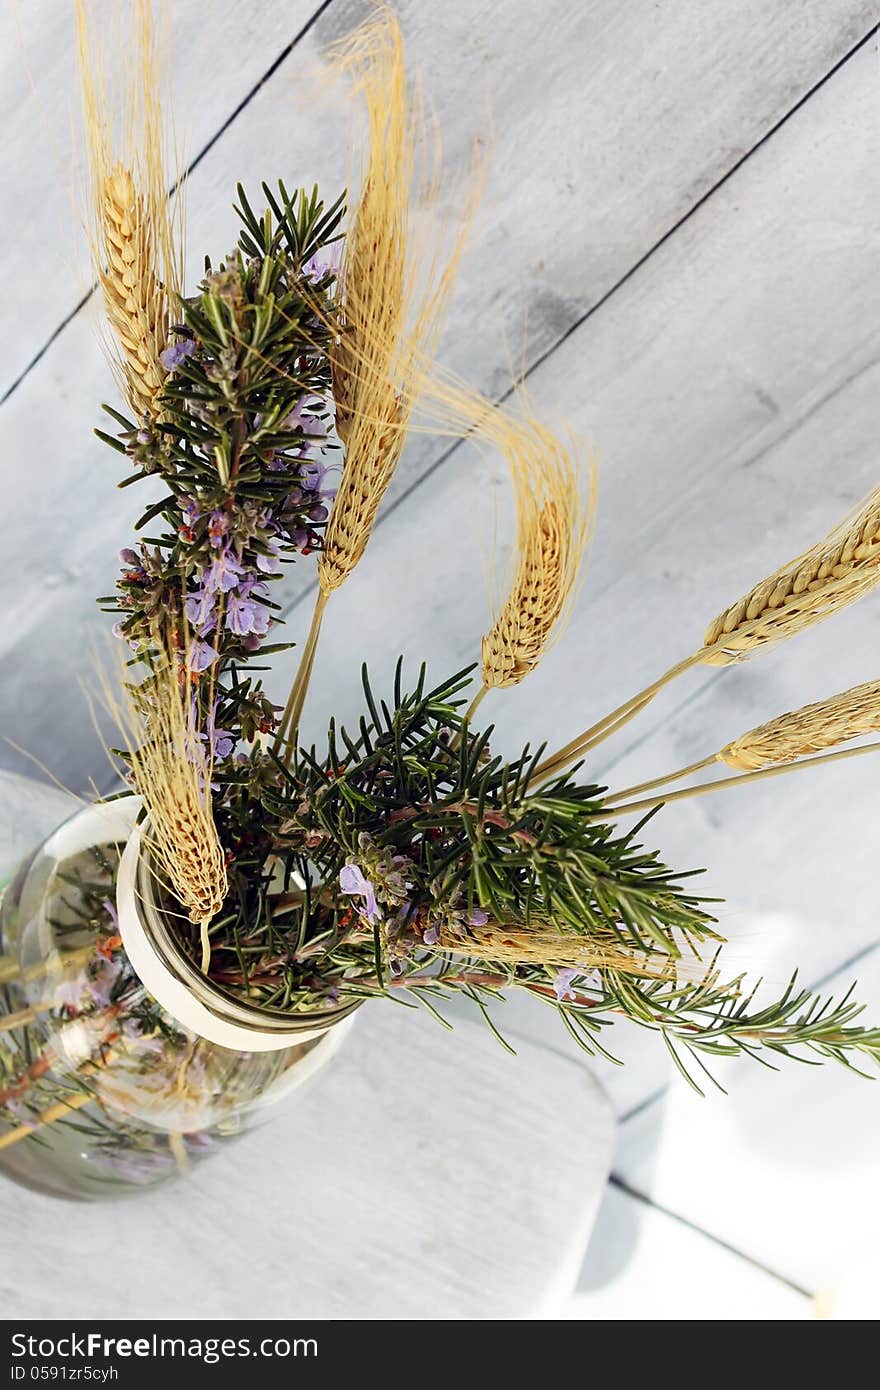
column 179, row 987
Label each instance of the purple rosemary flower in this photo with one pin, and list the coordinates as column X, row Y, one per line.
column 353, row 882
column 277, row 464
column 478, row 918
column 244, row 613
column 176, row 353
column 563, row 982
column 110, row 908
column 190, row 509
column 220, row 741
column 431, row 935
column 315, row 269
column 301, row 418
column 225, row 572
column 200, row 611
column 201, row 656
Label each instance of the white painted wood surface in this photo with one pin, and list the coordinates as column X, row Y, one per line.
column 714, row 337
column 422, row 1175
column 645, row 1265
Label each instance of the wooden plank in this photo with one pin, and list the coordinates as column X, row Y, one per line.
column 382, row 1183
column 644, row 1265
column 784, row 1167
column 219, row 53
column 550, row 84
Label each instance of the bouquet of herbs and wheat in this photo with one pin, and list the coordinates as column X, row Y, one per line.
column 409, row 858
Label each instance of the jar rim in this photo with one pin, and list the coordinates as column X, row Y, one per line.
column 223, row 1004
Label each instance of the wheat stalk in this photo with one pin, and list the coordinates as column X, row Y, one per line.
column 651, row 803
column 503, row 942
column 133, row 234
column 785, row 739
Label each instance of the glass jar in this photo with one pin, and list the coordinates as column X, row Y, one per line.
column 120, row 1064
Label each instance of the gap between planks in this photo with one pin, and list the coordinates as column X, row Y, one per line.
column 191, row 167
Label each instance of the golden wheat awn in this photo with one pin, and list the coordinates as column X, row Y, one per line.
column 810, row 729
column 828, row 577
column 394, row 291
column 555, row 498
column 133, row 233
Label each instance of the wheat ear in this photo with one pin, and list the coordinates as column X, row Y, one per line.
column 810, row 729
column 171, row 769
column 499, row 942
column 133, row 223
column 788, row 737
column 554, row 523
column 554, row 488
column 814, row 586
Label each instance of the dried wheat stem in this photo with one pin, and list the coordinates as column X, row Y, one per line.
column 476, row 702
column 60, row 1108
column 10, row 966
column 177, row 1145
column 45, row 1117
column 23, row 1017
column 597, row 733
column 205, row 943
column 288, row 728
column 649, row 804
column 661, row 781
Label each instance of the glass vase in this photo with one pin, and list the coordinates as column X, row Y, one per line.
column 121, row 1066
